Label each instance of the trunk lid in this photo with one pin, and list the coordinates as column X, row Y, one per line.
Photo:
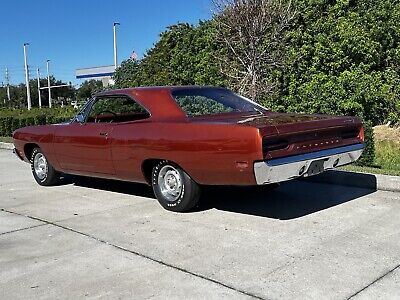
column 300, row 133
column 290, row 123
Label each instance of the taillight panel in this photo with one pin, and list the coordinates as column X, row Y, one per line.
column 350, row 133
column 311, row 141
column 274, row 144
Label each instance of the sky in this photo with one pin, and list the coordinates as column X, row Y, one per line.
column 77, row 34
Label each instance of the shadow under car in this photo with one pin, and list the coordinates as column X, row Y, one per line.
column 290, row 200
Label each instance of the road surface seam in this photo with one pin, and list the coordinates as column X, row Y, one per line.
column 374, row 281
column 22, row 229
column 138, row 254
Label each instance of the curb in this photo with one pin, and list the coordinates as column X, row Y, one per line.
column 360, row 180
column 338, row 177
column 8, row 146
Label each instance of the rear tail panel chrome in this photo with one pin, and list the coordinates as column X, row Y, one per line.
column 303, row 165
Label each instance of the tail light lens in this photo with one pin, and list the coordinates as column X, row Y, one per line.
column 274, row 144
column 361, row 135
column 350, row 133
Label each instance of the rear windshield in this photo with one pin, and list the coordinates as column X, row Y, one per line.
column 206, row 101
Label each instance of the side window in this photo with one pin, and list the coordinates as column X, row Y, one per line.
column 116, row 109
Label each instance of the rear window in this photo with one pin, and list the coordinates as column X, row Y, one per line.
column 207, row 101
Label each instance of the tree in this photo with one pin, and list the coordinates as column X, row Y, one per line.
column 88, row 89
column 252, row 32
column 184, row 55
column 18, row 93
column 343, row 58
column 3, row 96
column 321, row 56
column 56, row 93
column 127, row 74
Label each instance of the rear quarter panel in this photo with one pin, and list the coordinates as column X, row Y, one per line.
column 207, row 152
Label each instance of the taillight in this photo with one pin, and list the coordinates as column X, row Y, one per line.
column 350, row 133
column 361, row 134
column 274, row 144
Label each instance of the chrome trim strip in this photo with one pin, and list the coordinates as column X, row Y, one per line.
column 282, row 169
column 314, row 155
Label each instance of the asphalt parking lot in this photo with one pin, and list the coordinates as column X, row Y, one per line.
column 90, row 238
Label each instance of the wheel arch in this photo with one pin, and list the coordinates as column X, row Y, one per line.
column 148, row 164
column 28, row 149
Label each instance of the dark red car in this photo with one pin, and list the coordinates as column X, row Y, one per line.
column 180, row 138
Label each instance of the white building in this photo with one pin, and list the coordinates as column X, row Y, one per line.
column 99, row 73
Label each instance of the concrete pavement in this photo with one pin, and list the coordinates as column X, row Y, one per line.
column 91, row 238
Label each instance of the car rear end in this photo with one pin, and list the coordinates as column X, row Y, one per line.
column 306, row 145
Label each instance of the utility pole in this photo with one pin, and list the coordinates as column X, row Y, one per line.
column 38, row 88
column 8, row 86
column 48, row 81
column 115, row 44
column 28, row 92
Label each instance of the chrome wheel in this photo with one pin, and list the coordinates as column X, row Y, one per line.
column 40, row 166
column 170, row 183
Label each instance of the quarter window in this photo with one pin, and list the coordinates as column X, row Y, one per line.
column 201, row 105
column 206, row 101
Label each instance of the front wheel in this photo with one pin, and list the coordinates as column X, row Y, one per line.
column 174, row 189
column 42, row 170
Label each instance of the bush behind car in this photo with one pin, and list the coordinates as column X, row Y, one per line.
column 12, row 119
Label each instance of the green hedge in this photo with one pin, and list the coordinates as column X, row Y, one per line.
column 9, row 124
column 12, row 119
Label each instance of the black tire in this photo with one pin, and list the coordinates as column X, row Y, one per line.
column 50, row 176
column 186, row 197
column 269, row 187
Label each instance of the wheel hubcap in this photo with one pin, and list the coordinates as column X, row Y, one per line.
column 170, row 183
column 40, row 166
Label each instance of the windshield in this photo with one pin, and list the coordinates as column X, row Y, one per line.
column 206, row 101
column 80, row 116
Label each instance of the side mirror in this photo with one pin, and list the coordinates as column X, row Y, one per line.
column 80, row 118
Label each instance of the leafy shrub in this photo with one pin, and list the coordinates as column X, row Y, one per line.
column 368, row 156
column 12, row 119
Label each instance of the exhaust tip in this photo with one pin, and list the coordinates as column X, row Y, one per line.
column 336, row 163
column 302, row 170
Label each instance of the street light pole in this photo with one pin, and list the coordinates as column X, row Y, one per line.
column 38, row 88
column 8, row 87
column 48, row 81
column 115, row 45
column 28, row 92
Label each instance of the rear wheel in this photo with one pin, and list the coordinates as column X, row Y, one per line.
column 174, row 189
column 42, row 170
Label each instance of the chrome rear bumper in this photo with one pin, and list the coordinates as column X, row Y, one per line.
column 282, row 169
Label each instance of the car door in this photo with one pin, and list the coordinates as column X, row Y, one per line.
column 85, row 147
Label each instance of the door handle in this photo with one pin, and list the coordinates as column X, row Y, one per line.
column 104, row 134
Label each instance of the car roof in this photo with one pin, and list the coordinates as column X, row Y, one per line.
column 159, row 88
column 156, row 99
